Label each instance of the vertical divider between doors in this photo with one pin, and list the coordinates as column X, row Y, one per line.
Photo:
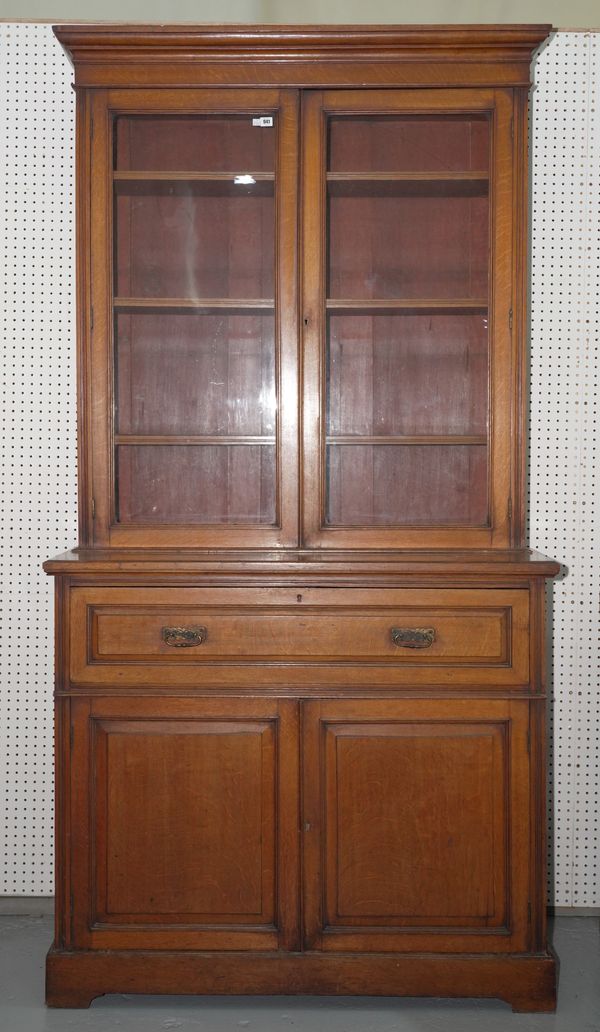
column 313, row 260
column 311, row 826
column 288, row 819
column 287, row 300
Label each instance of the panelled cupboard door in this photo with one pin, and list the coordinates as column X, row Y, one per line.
column 416, row 826
column 184, row 824
column 189, row 342
column 410, row 230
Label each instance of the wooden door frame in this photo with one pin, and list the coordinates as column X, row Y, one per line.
column 96, row 346
column 508, row 226
column 514, row 718
column 87, row 717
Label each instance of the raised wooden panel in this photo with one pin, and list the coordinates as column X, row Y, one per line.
column 425, row 793
column 184, row 808
column 121, row 635
column 199, row 795
column 416, row 834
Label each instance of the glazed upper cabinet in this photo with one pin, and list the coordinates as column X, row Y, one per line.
column 407, row 293
column 395, row 312
column 194, row 338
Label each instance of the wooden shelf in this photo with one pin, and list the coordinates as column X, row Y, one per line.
column 332, row 304
column 207, row 177
column 413, row 439
column 197, row 185
column 406, row 304
column 206, row 303
column 172, row 439
column 407, row 177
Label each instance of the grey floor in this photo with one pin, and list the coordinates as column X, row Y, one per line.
column 24, row 941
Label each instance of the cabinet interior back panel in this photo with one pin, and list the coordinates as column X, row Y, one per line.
column 38, row 498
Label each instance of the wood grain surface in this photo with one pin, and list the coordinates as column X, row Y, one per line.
column 300, row 656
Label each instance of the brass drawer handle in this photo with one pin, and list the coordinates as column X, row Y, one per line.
column 184, row 637
column 413, row 637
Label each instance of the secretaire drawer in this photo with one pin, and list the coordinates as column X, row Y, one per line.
column 278, row 636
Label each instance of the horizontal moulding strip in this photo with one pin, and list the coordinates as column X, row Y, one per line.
column 411, row 439
column 172, row 439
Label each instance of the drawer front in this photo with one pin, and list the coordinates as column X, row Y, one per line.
column 261, row 637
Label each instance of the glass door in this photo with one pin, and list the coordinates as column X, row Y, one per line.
column 203, row 196
column 404, row 336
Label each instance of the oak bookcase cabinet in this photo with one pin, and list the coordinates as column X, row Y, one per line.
column 300, row 667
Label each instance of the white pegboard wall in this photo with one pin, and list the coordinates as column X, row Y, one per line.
column 38, row 441
column 37, row 446
column 564, row 513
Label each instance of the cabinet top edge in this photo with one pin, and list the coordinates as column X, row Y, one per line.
column 324, row 39
column 303, row 563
